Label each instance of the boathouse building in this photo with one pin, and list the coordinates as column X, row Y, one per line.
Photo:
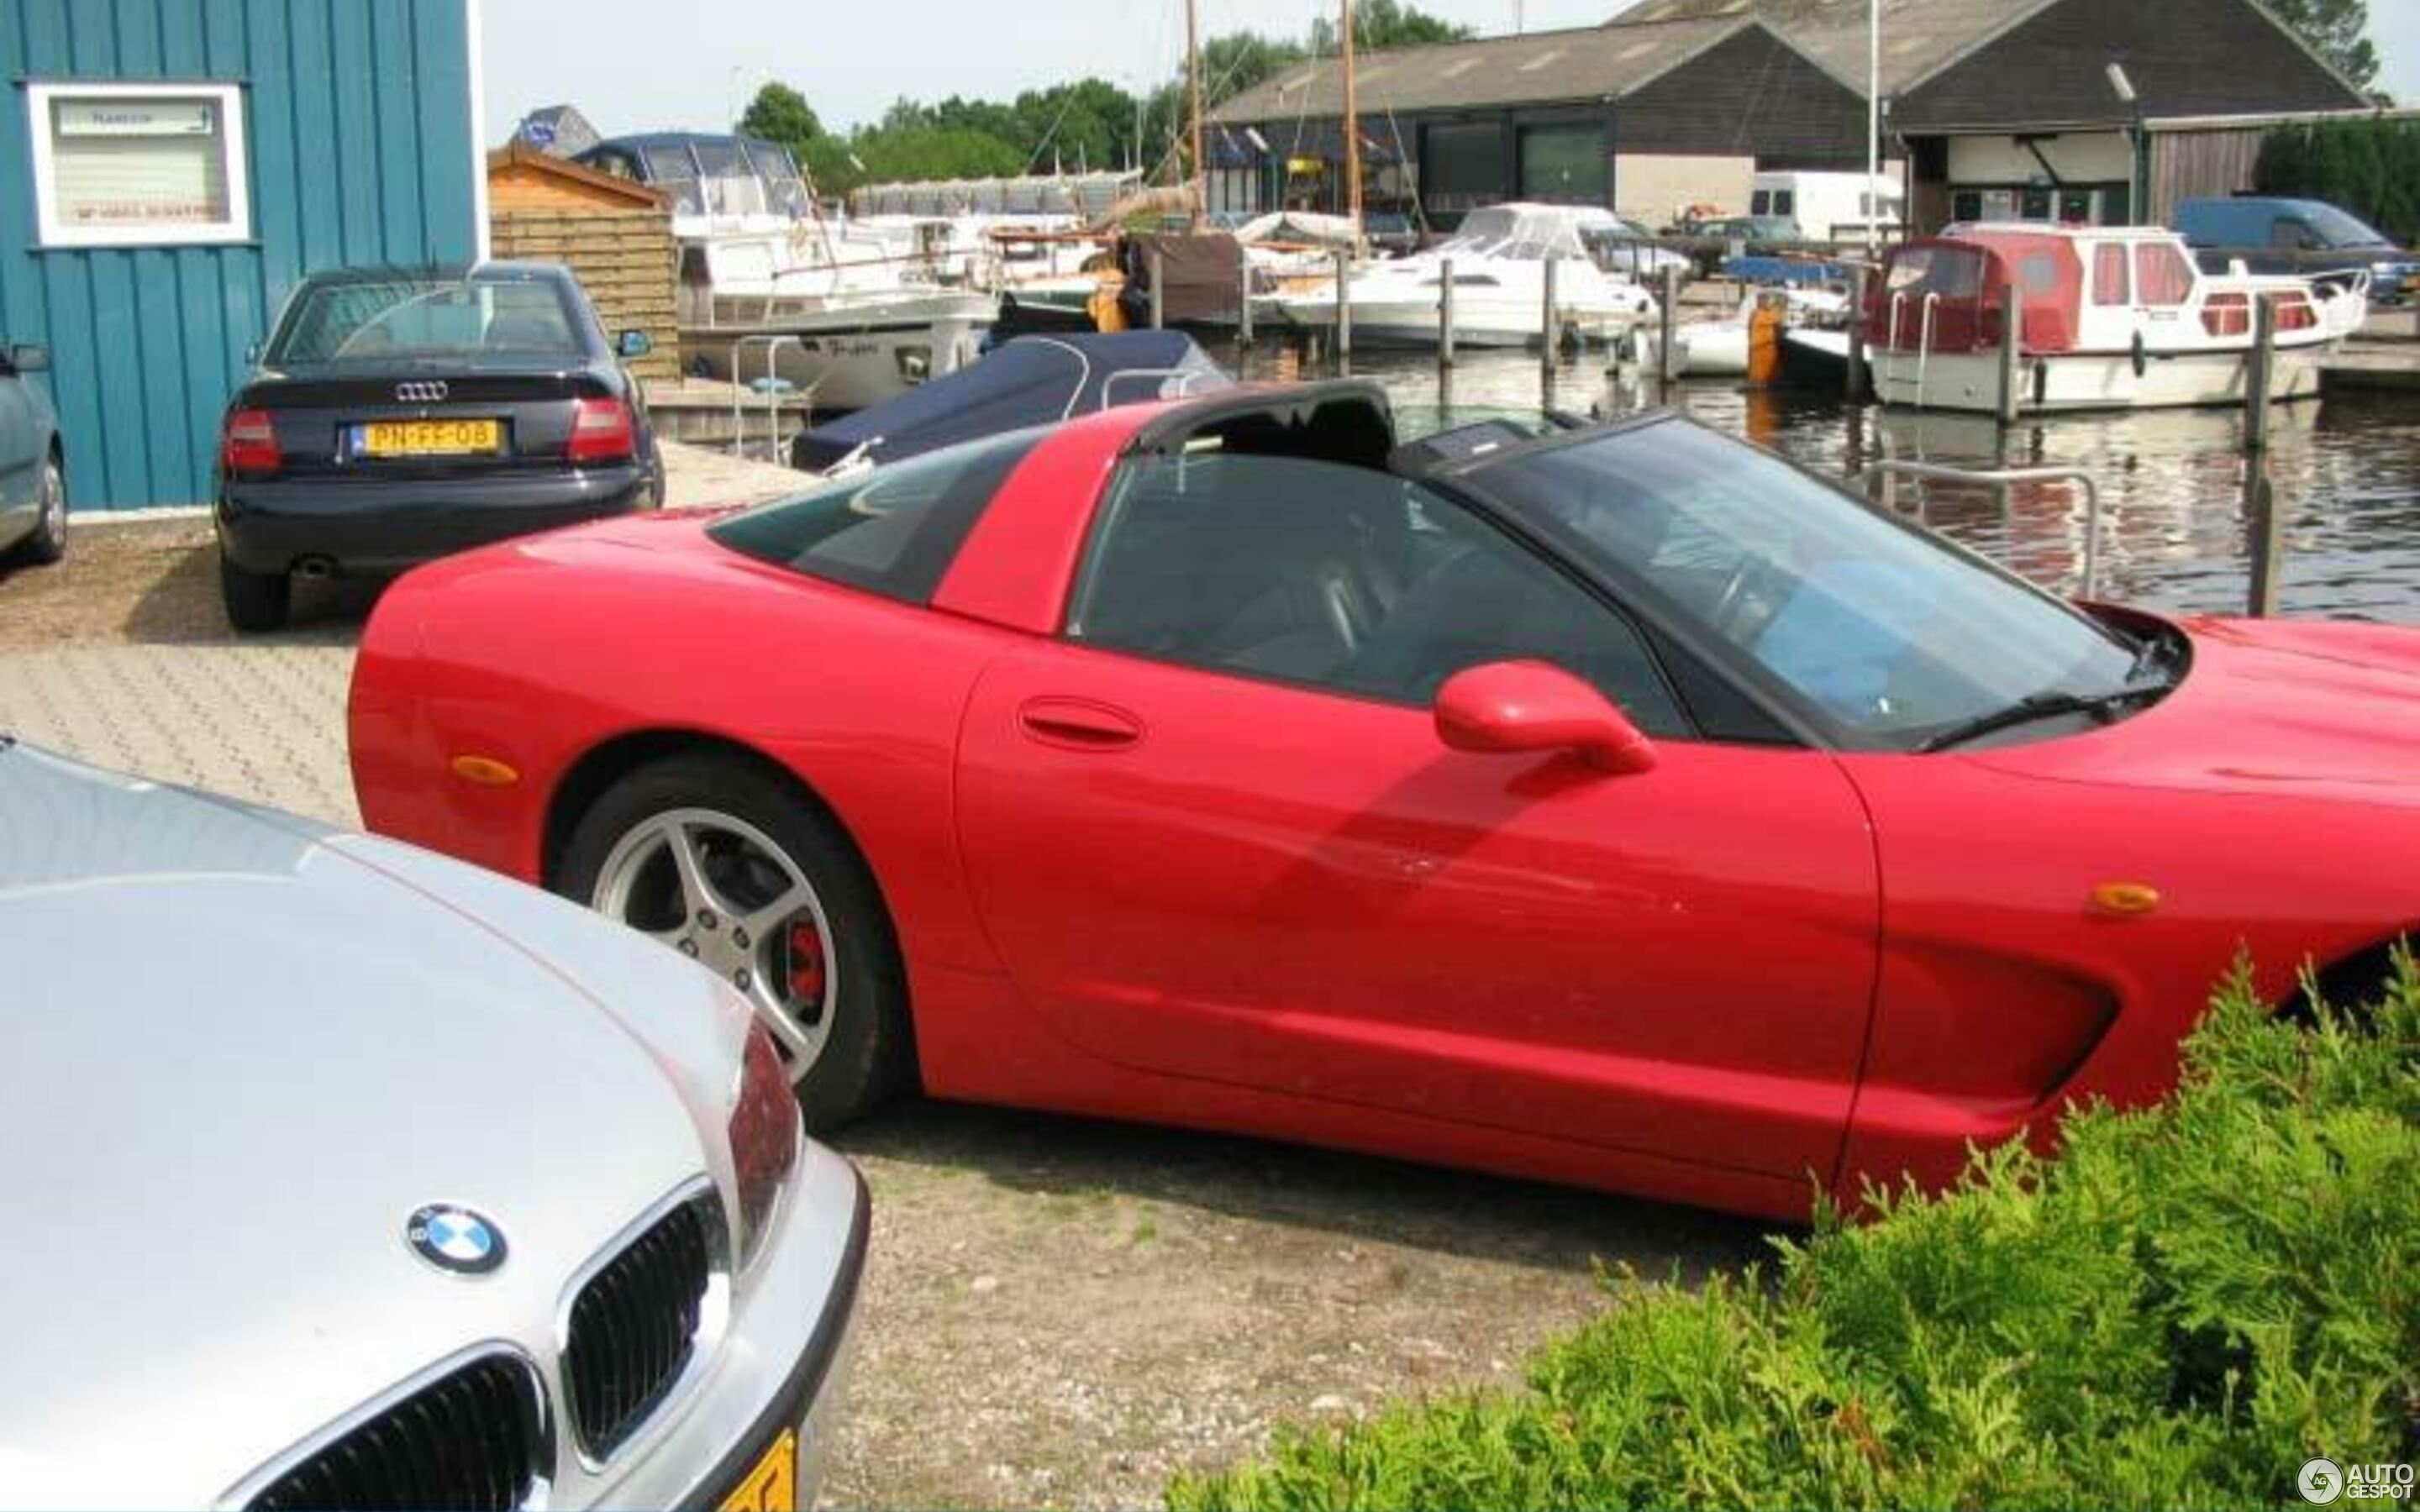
column 169, row 170
column 1994, row 109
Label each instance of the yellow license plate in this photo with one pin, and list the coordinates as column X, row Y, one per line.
column 772, row 1486
column 432, row 437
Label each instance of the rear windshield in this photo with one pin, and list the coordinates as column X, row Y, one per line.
column 368, row 319
column 893, row 531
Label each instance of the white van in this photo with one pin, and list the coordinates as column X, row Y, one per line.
column 1826, row 207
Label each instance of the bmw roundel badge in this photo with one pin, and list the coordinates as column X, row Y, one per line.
column 455, row 1239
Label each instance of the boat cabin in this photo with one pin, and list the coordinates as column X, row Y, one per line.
column 2081, row 289
column 709, row 176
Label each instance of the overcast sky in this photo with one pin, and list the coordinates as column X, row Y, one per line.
column 636, row 65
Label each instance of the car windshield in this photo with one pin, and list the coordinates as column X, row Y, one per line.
column 415, row 317
column 1882, row 629
column 2336, row 228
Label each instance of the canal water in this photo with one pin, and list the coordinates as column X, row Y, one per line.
column 2344, row 472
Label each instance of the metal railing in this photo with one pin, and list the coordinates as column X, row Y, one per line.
column 772, row 342
column 1890, row 469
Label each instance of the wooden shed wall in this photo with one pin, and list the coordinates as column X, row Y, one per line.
column 625, row 259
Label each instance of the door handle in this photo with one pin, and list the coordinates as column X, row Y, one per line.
column 1079, row 724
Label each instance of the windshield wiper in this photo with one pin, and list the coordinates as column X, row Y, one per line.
column 2103, row 706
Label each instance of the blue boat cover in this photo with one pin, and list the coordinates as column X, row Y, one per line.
column 1032, row 380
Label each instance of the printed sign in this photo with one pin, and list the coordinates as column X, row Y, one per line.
column 136, row 117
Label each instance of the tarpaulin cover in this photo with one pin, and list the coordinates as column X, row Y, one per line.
column 1204, row 274
column 1032, row 380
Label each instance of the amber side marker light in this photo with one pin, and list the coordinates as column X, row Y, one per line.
column 2126, row 898
column 485, row 770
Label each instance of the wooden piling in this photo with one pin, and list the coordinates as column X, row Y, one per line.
column 1157, row 285
column 1856, row 373
column 1244, row 295
column 2260, row 375
column 1343, row 306
column 2012, row 341
column 1550, row 330
column 1667, row 352
column 1444, row 313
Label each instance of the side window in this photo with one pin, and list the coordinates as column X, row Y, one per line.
column 2162, row 278
column 1785, row 202
column 893, row 531
column 1339, row 579
column 2109, row 287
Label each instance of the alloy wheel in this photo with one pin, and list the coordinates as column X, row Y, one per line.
column 721, row 892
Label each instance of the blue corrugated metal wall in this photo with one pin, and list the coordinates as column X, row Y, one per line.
column 358, row 126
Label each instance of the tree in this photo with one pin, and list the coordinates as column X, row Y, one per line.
column 1398, row 23
column 1234, row 63
column 2338, row 30
column 781, row 114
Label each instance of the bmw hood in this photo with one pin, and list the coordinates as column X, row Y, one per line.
column 243, row 1053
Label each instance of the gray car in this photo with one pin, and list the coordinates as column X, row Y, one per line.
column 33, row 464
column 345, row 1175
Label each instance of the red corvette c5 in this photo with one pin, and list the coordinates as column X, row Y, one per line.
column 1618, row 805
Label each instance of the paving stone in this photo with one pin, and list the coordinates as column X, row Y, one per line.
column 265, row 723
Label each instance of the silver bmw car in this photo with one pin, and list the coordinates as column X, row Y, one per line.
column 347, row 1176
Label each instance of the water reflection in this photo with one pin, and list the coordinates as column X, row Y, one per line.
column 2174, row 532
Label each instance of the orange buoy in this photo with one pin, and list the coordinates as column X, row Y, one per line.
column 1765, row 341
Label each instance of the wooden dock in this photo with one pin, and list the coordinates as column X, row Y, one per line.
column 2383, row 359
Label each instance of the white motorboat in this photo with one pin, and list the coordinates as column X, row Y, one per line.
column 2110, row 318
column 771, row 288
column 1719, row 348
column 1500, row 256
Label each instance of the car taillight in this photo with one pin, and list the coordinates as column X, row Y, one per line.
column 249, row 443
column 601, row 431
column 765, row 1134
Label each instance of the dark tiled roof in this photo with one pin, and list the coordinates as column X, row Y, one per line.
column 1919, row 36
column 1584, row 63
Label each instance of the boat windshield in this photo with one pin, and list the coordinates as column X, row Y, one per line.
column 1883, row 628
column 1521, row 234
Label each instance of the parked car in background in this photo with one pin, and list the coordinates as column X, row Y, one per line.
column 1616, row 804
column 33, row 463
column 398, row 414
column 431, row 1192
column 2306, row 236
column 1390, row 233
column 1826, row 207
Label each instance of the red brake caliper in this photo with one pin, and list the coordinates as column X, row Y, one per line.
column 806, row 965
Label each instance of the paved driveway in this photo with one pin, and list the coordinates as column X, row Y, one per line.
column 263, row 722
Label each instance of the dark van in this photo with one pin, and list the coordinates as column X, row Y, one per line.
column 2295, row 236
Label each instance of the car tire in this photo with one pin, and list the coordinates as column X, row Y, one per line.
column 255, row 601
column 49, row 540
column 756, row 835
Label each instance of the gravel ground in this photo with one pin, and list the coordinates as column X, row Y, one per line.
column 1058, row 1312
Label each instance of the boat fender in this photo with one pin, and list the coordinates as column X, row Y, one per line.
column 2142, row 356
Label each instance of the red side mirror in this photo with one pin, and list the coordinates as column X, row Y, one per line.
column 1514, row 707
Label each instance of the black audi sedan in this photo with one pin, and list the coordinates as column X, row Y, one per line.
column 398, row 414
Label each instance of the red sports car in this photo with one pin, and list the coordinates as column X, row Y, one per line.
column 1619, row 806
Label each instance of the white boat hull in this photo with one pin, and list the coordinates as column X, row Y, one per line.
column 1477, row 322
column 2087, row 380
column 849, row 358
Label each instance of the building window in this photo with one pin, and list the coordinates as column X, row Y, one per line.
column 126, row 164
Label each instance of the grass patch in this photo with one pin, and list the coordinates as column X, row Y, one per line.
column 2177, row 1311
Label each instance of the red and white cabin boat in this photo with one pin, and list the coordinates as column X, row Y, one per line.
column 2112, row 318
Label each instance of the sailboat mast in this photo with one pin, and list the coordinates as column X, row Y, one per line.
column 1351, row 133
column 1193, row 89
column 1873, row 126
